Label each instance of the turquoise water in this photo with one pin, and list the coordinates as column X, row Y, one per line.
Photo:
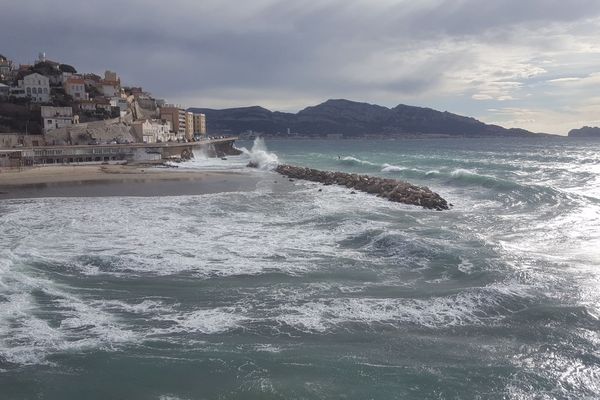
column 287, row 291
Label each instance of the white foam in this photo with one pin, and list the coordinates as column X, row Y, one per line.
column 392, row 168
column 358, row 161
column 473, row 307
column 261, row 156
column 26, row 337
column 206, row 321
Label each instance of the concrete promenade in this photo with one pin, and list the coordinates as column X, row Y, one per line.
column 132, row 152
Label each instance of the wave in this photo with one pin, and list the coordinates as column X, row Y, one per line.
column 27, row 336
column 472, row 307
column 349, row 160
column 260, row 155
column 392, row 168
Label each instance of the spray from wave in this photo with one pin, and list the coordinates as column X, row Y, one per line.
column 261, row 156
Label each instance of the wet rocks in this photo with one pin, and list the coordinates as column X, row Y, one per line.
column 391, row 189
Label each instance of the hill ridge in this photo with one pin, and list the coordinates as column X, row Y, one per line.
column 352, row 119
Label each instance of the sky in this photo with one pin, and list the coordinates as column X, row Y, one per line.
column 532, row 64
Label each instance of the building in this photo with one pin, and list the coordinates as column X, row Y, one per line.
column 5, row 67
column 199, row 125
column 4, row 90
column 103, row 104
column 152, row 131
column 35, row 86
column 75, row 87
column 177, row 117
column 92, row 79
column 8, row 140
column 16, row 158
column 110, row 86
column 111, row 76
column 63, row 77
column 56, row 117
column 189, row 125
column 121, row 104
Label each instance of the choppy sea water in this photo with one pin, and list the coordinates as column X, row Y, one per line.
column 296, row 290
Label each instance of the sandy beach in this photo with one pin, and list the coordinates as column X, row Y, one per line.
column 117, row 180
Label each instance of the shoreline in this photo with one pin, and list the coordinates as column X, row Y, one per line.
column 118, row 180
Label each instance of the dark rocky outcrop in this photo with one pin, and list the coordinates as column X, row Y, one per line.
column 585, row 132
column 352, row 119
column 391, row 189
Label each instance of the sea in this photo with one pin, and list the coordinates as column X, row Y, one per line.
column 295, row 290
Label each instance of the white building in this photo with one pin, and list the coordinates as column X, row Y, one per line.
column 123, row 105
column 56, row 117
column 109, row 88
column 152, row 131
column 75, row 87
column 35, row 86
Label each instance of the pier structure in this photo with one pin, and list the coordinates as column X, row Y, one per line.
column 113, row 153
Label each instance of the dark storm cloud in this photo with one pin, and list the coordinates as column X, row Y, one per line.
column 384, row 51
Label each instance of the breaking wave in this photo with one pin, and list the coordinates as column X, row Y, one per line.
column 260, row 155
column 353, row 161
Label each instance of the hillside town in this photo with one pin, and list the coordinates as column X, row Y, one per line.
column 50, row 104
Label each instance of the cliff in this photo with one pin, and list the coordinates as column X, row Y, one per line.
column 351, row 119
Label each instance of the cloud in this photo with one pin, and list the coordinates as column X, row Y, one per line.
column 459, row 55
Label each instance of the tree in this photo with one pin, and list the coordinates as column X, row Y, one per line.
column 45, row 68
column 67, row 68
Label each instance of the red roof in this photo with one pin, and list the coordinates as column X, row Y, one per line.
column 75, row 80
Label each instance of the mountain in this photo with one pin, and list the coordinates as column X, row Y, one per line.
column 351, row 119
column 585, row 132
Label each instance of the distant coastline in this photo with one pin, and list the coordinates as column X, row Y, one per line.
column 342, row 118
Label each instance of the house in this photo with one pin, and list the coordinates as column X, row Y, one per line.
column 121, row 104
column 86, row 105
column 103, row 104
column 110, row 86
column 56, row 117
column 35, row 86
column 152, row 131
column 75, row 87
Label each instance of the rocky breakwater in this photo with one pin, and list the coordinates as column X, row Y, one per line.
column 391, row 189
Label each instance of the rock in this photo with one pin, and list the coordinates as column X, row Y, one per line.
column 393, row 190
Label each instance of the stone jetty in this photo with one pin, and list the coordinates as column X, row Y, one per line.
column 391, row 189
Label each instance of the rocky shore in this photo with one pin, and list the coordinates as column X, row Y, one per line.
column 391, row 189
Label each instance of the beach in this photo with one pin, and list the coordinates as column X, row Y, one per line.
column 118, row 180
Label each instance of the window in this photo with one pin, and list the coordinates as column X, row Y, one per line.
column 49, row 122
column 28, row 91
column 45, row 90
